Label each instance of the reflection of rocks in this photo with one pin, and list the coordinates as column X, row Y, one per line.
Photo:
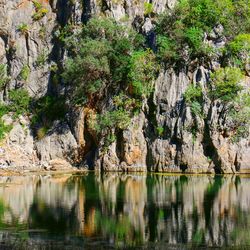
column 132, row 209
column 18, row 194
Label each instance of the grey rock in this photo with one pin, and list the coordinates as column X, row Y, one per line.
column 17, row 135
column 7, row 119
column 58, row 143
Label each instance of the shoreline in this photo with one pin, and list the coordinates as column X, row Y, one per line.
column 10, row 171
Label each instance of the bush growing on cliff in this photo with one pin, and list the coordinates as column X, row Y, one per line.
column 142, row 73
column 41, row 11
column 24, row 73
column 226, row 84
column 89, row 70
column 4, row 78
column 240, row 115
column 23, row 28
column 239, row 50
column 193, row 97
column 186, row 25
column 4, row 130
column 107, row 55
column 19, row 101
column 167, row 49
column 45, row 111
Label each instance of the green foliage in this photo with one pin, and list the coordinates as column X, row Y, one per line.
column 239, row 49
column 41, row 132
column 240, row 115
column 42, row 58
column 125, row 102
column 185, row 25
column 193, row 93
column 160, row 131
column 142, row 73
column 113, row 119
column 102, row 54
column 25, row 72
column 41, row 11
column 23, row 28
column 42, row 32
column 89, row 70
column 37, row 4
column 19, row 101
column 106, row 123
column 194, row 38
column 4, row 78
column 193, row 97
column 95, row 58
column 46, row 110
column 166, row 49
column 148, row 8
column 3, row 130
column 226, row 83
column 240, row 44
column 103, row 28
column 63, row 33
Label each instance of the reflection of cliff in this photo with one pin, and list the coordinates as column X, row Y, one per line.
column 20, row 193
column 132, row 209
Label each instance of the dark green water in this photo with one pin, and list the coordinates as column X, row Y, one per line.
column 124, row 211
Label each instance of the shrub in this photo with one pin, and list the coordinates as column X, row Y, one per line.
column 239, row 49
column 194, row 37
column 166, row 49
column 187, row 23
column 41, row 132
column 125, row 102
column 160, row 131
column 4, row 78
column 23, row 28
column 41, row 11
column 89, row 70
column 148, row 8
column 193, row 93
column 240, row 115
column 142, row 73
column 24, row 73
column 42, row 58
column 106, row 54
column 48, row 109
column 226, row 83
column 193, row 97
column 3, row 129
column 113, row 119
column 19, row 101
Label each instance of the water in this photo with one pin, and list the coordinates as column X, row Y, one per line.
column 136, row 211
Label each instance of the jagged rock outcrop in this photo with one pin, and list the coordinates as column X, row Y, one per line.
column 58, row 143
column 28, row 47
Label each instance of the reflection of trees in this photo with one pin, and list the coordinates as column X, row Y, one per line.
column 132, row 209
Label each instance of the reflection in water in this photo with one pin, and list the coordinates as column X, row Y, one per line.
column 116, row 210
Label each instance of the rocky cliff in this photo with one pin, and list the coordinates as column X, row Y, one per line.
column 163, row 135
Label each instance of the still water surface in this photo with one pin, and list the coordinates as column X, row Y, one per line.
column 124, row 211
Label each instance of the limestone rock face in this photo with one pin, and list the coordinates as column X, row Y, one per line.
column 29, row 46
column 134, row 145
column 18, row 150
column 58, row 143
column 164, row 143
